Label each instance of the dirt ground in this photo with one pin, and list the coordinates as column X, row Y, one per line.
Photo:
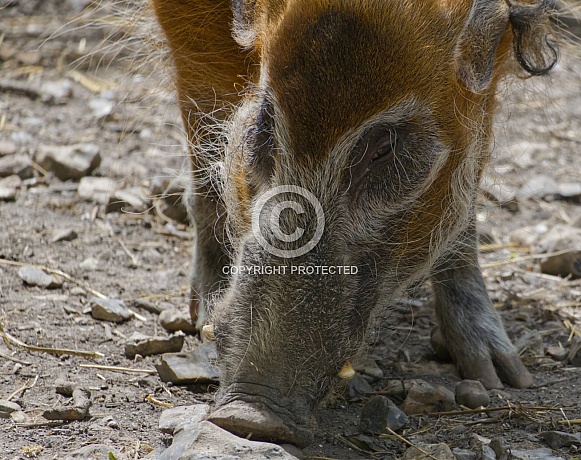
column 146, row 256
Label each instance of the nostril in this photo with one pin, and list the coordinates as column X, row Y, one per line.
column 256, row 421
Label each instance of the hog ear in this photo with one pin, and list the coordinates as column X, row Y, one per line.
column 478, row 42
column 243, row 27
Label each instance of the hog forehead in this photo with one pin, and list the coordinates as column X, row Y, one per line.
column 333, row 65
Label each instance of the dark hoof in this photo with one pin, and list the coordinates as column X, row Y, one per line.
column 257, row 422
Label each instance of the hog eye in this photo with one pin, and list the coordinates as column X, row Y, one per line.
column 385, row 147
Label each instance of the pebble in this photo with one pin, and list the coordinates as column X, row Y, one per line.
column 380, row 412
column 11, row 182
column 150, row 306
column 101, row 108
column 208, row 441
column 574, row 355
column 195, row 366
column 79, row 411
column 7, row 147
column 140, row 344
column 423, row 398
column 19, row 416
column 501, row 193
column 56, row 92
column 37, row 277
column 7, row 194
column 131, row 199
column 8, row 407
column 97, row 189
column 464, row 454
column 64, row 234
column 369, row 369
column 472, row 394
column 17, row 164
column 95, row 452
column 436, row 452
column 64, row 387
column 90, row 263
column 557, row 353
column 358, row 387
column 541, row 186
column 70, row 161
column 562, row 237
column 529, row 235
column 175, row 320
column 180, row 418
column 558, row 439
column 110, row 310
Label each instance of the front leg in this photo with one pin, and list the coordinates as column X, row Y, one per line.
column 468, row 326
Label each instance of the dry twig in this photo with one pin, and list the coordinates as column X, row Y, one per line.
column 118, row 369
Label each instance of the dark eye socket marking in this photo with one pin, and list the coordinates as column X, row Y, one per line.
column 376, row 147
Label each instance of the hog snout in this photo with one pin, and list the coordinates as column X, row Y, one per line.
column 261, row 413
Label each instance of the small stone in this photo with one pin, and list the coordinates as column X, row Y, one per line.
column 499, row 192
column 11, row 182
column 208, row 441
column 557, row 353
column 64, row 387
column 397, row 389
column 97, row 189
column 95, row 452
column 64, row 234
column 562, row 238
column 150, row 306
column 472, row 394
column 56, row 92
column 436, row 452
column 18, row 417
column 423, row 398
column 369, row 368
column 7, row 194
column 464, row 454
column 378, row 413
column 8, row 407
column 79, row 411
column 528, row 236
column 125, row 200
column 558, row 439
column 358, row 387
column 90, row 263
column 176, row 320
column 196, row 366
column 7, row 148
column 541, row 186
column 147, row 346
column 70, row 161
column 181, row 418
column 535, row 454
column 102, row 108
column 110, row 310
column 36, row 277
column 574, row 355
column 17, row 164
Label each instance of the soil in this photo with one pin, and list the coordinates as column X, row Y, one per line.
column 146, row 256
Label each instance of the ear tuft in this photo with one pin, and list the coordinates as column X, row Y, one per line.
column 478, row 42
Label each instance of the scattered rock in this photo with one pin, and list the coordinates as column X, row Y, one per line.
column 209, row 441
column 170, row 194
column 397, row 389
column 64, row 387
column 8, row 407
column 464, row 454
column 574, row 355
column 131, row 199
column 69, row 161
column 8, row 187
column 37, row 277
column 97, row 189
column 558, row 439
column 432, row 368
column 110, row 310
column 436, row 451
column 177, row 320
column 17, row 164
column 79, row 411
column 499, row 192
column 64, row 234
column 7, row 194
column 358, row 387
column 369, row 369
column 540, row 186
column 181, row 418
column 472, row 394
column 155, row 308
column 378, row 413
column 90, row 263
column 18, row 416
column 56, row 92
column 423, row 398
column 95, row 452
column 557, row 353
column 7, row 147
column 101, row 108
column 562, row 238
column 196, row 366
column 140, row 344
column 528, row 236
column 535, row 454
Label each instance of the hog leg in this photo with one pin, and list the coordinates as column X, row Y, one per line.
column 210, row 253
column 468, row 326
